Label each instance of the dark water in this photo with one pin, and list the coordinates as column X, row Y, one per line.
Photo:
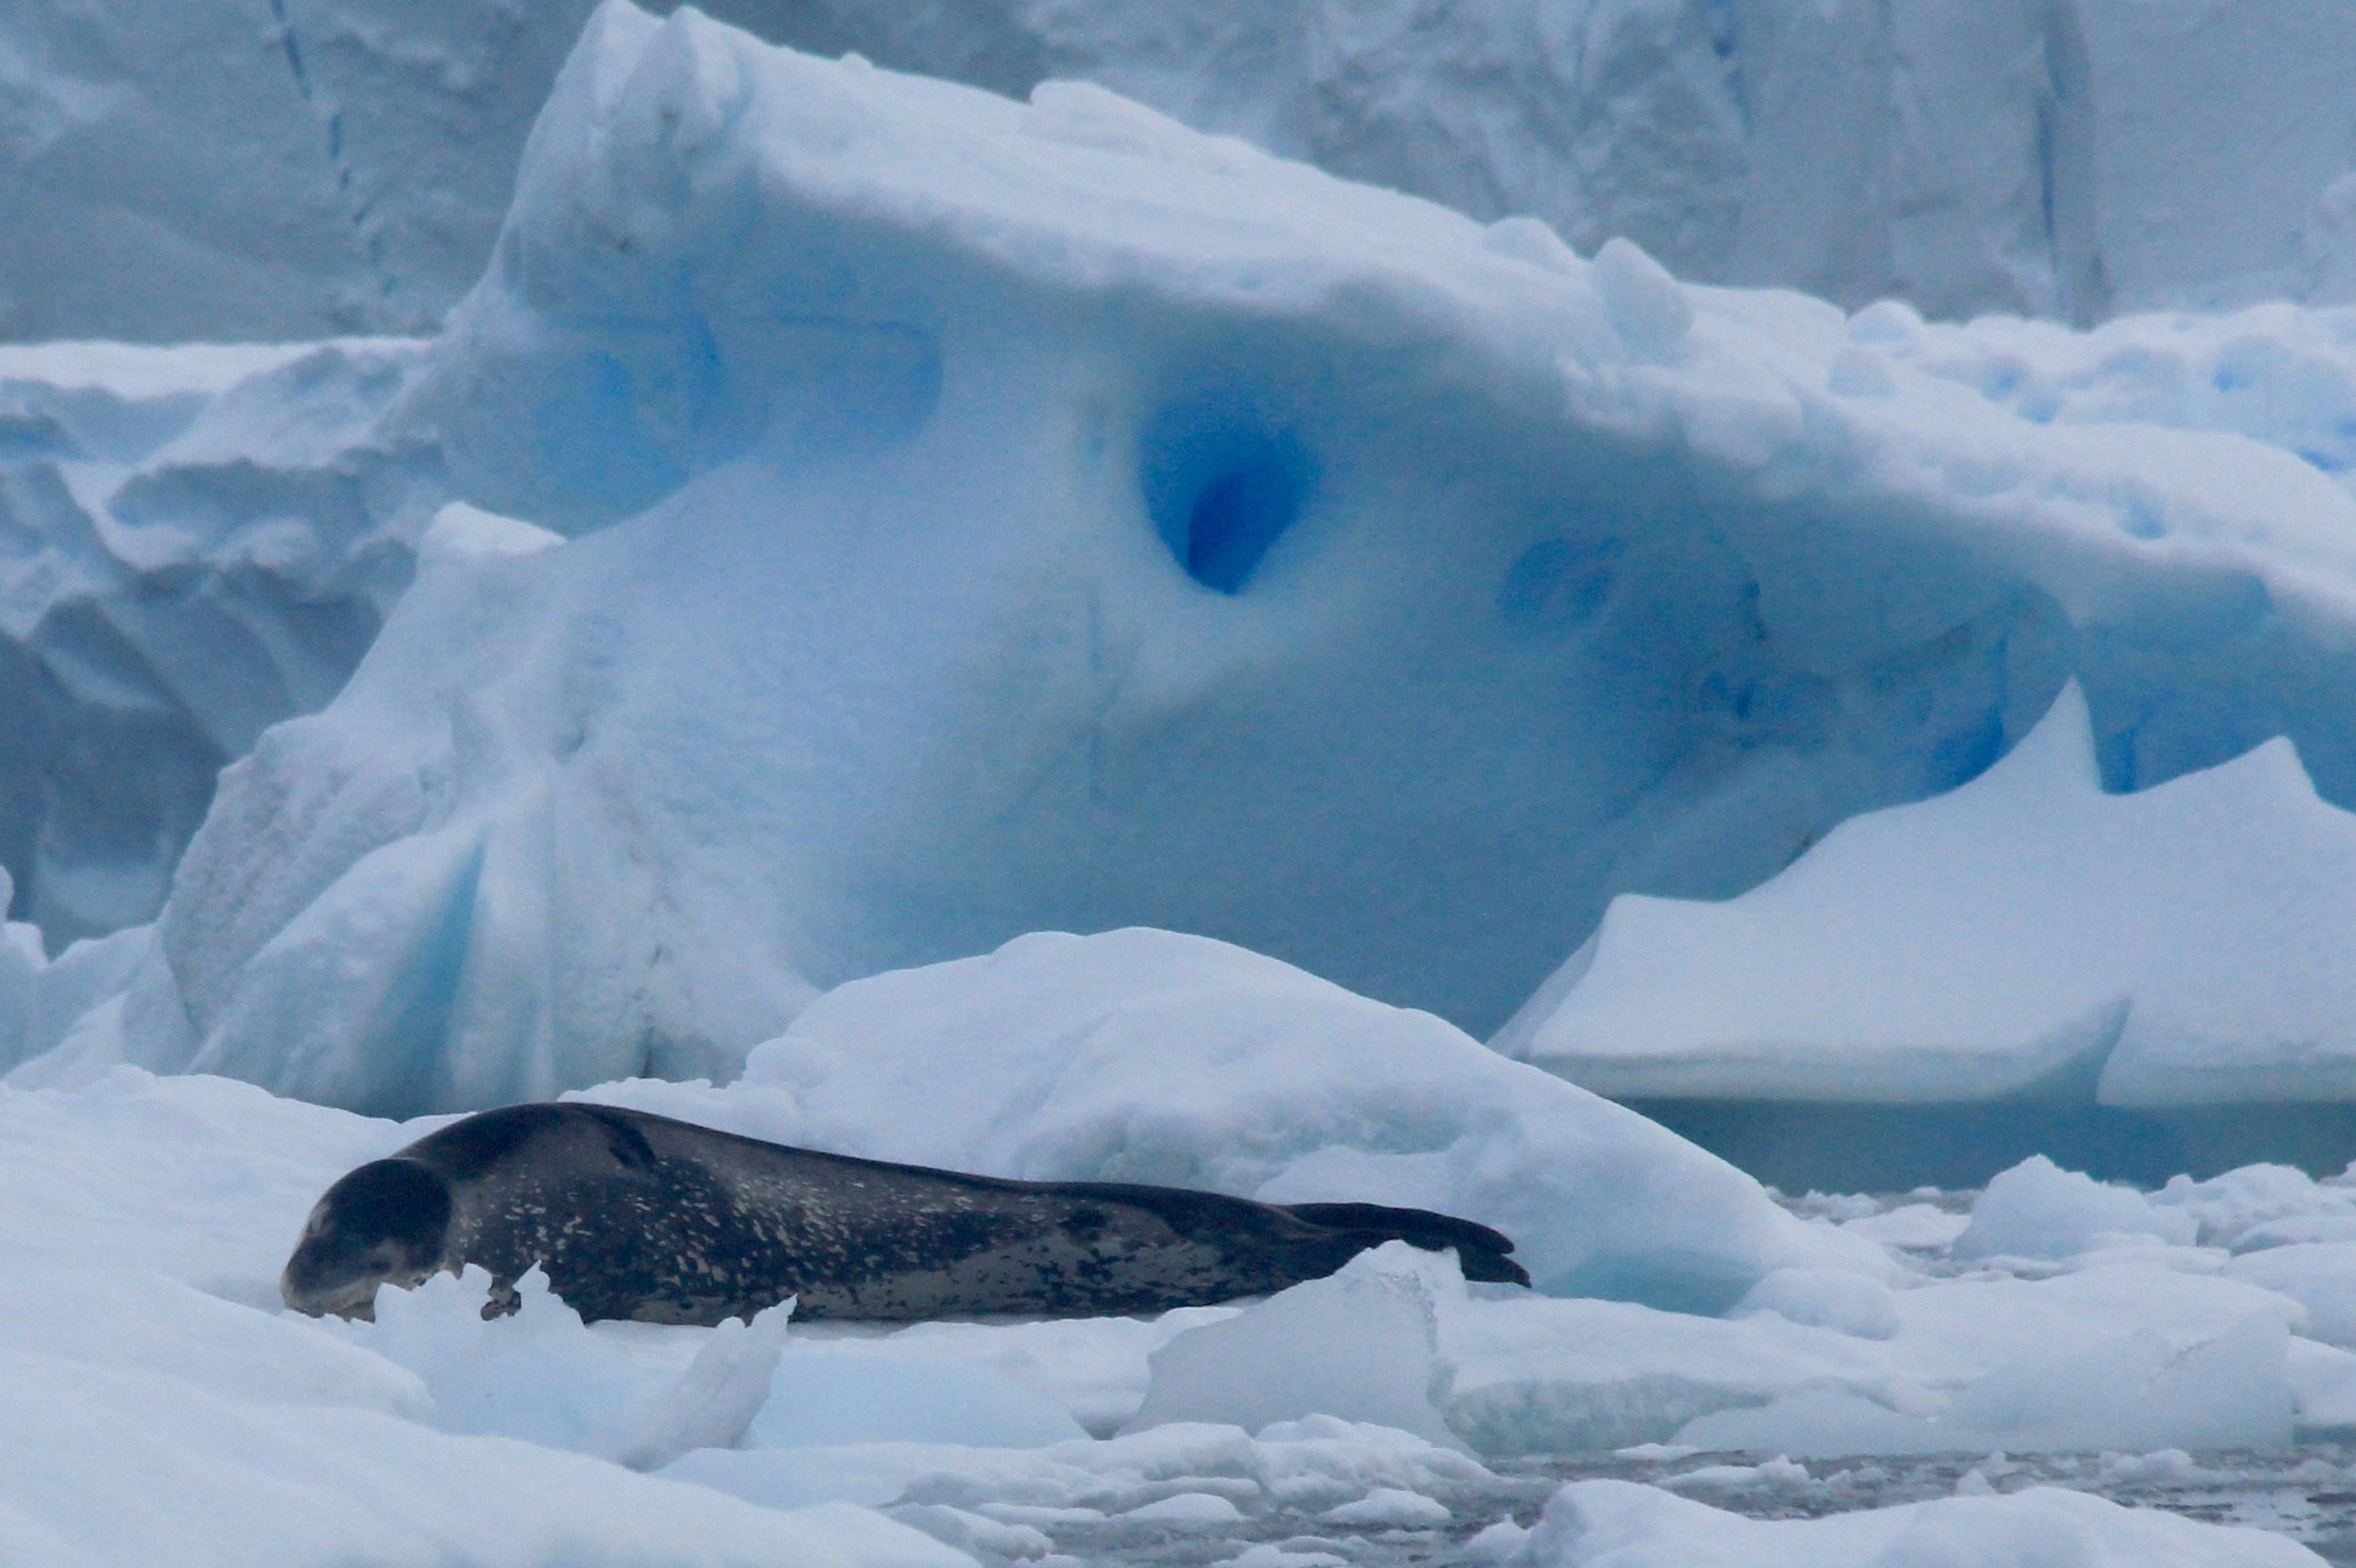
column 2308, row 1493
column 1801, row 1146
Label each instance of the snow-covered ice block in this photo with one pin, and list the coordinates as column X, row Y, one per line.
column 1151, row 1057
column 2027, row 935
column 1094, row 1370
column 1628, row 1526
column 542, row 1375
column 1362, row 1344
column 2038, row 1209
column 42, row 1000
column 2264, row 1206
column 110, row 1311
column 992, row 518
column 2320, row 1276
column 2273, row 372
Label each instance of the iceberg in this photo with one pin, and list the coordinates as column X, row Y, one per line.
column 195, row 543
column 343, row 165
column 984, row 517
column 2026, row 938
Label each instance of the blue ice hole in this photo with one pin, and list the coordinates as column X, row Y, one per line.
column 1221, row 486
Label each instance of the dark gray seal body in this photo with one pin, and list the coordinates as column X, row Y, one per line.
column 637, row 1215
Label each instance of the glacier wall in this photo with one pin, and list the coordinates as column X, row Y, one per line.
column 990, row 518
column 213, row 169
column 195, row 543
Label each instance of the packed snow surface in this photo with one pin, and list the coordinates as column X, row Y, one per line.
column 207, row 168
column 987, row 517
column 170, row 1410
column 2025, row 935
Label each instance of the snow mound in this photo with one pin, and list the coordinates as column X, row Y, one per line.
column 1825, row 1299
column 1261, row 555
column 1148, row 1056
column 2025, row 935
column 2038, row 1209
column 194, row 544
column 1628, row 1526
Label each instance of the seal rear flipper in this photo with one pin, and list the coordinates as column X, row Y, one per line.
column 503, row 1300
column 1480, row 1252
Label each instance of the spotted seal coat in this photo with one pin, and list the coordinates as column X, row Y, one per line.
column 637, row 1215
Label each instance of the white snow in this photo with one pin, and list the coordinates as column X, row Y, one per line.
column 2024, row 934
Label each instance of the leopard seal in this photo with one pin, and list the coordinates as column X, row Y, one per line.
column 637, row 1215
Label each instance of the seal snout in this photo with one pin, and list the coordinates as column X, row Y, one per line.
column 385, row 1223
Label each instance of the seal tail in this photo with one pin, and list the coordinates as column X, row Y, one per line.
column 1482, row 1251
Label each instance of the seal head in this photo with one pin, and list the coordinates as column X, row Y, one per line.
column 386, row 1223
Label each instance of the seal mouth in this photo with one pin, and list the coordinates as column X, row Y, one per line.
column 356, row 1299
column 318, row 1291
column 382, row 1224
column 350, row 1297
